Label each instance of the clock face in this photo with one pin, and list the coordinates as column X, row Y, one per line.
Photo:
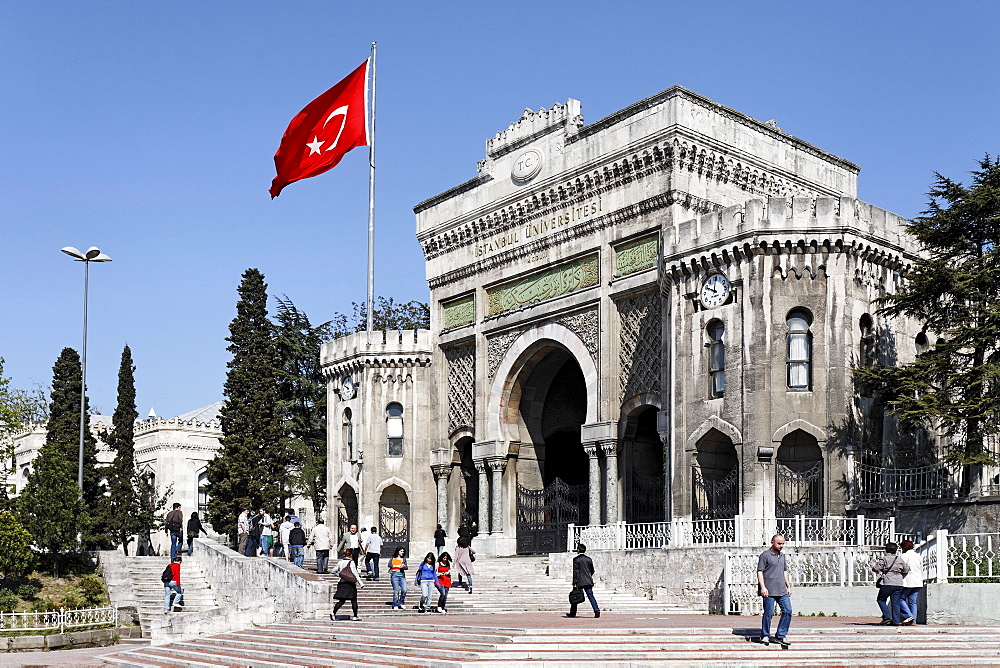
column 347, row 388
column 714, row 291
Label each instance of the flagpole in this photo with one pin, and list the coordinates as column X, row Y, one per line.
column 371, row 205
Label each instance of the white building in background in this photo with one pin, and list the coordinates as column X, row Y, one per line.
column 174, row 451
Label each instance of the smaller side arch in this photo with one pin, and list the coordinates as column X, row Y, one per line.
column 794, row 425
column 353, row 484
column 393, row 481
column 638, row 401
column 460, row 433
column 717, row 423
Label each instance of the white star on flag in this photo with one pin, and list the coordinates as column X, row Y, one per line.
column 314, row 145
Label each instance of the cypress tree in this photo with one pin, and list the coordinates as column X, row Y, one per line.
column 250, row 467
column 121, row 506
column 64, row 424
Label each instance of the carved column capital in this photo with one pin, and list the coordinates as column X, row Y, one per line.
column 480, row 465
column 497, row 464
column 590, row 449
column 609, row 448
column 441, row 471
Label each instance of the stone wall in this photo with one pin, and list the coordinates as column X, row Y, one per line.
column 114, row 572
column 72, row 640
column 972, row 604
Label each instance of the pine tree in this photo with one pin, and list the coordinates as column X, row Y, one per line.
column 250, row 467
column 49, row 507
column 302, row 399
column 16, row 557
column 953, row 290
column 121, row 506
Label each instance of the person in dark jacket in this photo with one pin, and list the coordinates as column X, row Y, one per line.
column 194, row 529
column 583, row 578
column 439, row 536
column 297, row 544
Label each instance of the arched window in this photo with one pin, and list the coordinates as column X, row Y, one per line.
column 394, row 429
column 866, row 350
column 203, row 495
column 799, row 350
column 921, row 343
column 348, row 436
column 716, row 359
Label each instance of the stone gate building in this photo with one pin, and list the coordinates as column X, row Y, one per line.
column 651, row 317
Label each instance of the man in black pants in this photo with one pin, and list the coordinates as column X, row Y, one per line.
column 583, row 578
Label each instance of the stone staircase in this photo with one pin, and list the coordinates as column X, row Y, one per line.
column 144, row 573
column 501, row 584
column 315, row 643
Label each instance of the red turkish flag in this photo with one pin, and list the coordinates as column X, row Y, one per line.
column 320, row 135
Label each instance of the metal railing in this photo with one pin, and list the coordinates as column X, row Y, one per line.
column 58, row 620
column 738, row 531
column 879, row 484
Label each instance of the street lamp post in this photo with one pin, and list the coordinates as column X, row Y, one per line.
column 92, row 254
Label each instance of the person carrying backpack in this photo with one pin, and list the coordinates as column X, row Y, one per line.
column 173, row 524
column 173, row 595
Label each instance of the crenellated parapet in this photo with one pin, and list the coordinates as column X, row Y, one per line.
column 154, row 424
column 800, row 226
column 534, row 124
column 388, row 349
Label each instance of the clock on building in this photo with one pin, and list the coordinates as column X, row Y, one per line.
column 715, row 290
column 347, row 388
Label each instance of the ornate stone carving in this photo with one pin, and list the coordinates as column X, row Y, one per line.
column 547, row 284
column 609, row 448
column 586, row 325
column 459, row 312
column 461, row 387
column 636, row 255
column 497, row 347
column 498, row 464
column 640, row 344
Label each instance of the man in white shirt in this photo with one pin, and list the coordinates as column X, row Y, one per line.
column 284, row 529
column 320, row 539
column 373, row 550
column 243, row 530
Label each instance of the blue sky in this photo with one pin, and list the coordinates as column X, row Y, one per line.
column 148, row 129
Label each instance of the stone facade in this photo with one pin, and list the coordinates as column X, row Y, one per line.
column 654, row 316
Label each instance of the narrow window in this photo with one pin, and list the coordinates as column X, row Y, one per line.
column 716, row 359
column 203, row 495
column 394, row 429
column 866, row 351
column 348, row 436
column 799, row 350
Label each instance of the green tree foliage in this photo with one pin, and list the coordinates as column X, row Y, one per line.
column 121, row 506
column 151, row 506
column 250, row 468
column 387, row 314
column 49, row 507
column 953, row 290
column 16, row 557
column 302, row 399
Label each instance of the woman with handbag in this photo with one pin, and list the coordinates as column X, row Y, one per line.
column 892, row 569
column 464, row 556
column 347, row 587
column 427, row 580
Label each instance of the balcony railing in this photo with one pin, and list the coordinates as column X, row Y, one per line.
column 58, row 620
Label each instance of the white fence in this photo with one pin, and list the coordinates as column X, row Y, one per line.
column 58, row 619
column 738, row 531
column 946, row 558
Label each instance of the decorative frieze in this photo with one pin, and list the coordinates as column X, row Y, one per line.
column 461, row 387
column 636, row 255
column 458, row 312
column 586, row 325
column 639, row 353
column 548, row 284
column 497, row 346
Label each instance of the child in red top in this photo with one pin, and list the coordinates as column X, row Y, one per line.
column 172, row 589
column 444, row 581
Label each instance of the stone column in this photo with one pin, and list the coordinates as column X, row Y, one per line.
column 610, row 451
column 594, row 480
column 496, row 468
column 663, row 429
column 441, row 474
column 484, row 497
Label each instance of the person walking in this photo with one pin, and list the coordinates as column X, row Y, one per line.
column 243, row 531
column 347, row 586
column 173, row 523
column 173, row 595
column 284, row 530
column 194, row 529
column 256, row 530
column 427, row 580
column 266, row 534
column 320, row 540
column 397, row 577
column 913, row 582
column 892, row 568
column 444, row 581
column 373, row 551
column 775, row 586
column 583, row 578
column 351, row 541
column 464, row 556
column 297, row 544
column 439, row 536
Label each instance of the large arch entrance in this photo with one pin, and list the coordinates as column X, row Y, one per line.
column 469, row 483
column 552, row 469
column 799, row 472
column 715, row 480
column 394, row 519
column 347, row 509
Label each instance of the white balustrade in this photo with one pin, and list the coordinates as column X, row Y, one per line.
column 58, row 619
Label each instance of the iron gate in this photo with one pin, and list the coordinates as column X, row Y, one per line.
column 645, row 497
column 715, row 499
column 799, row 493
column 394, row 527
column 544, row 515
